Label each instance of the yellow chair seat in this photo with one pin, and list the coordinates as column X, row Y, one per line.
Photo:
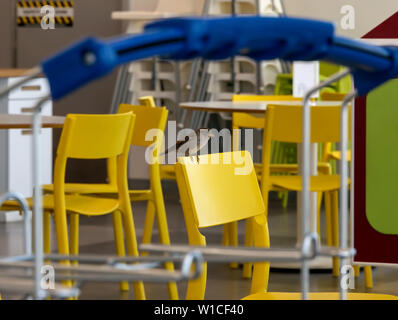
column 168, row 172
column 318, row 296
column 288, row 168
column 336, row 155
column 317, row 183
column 83, row 188
column 100, row 189
column 77, row 204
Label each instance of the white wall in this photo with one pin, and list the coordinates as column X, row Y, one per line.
column 368, row 13
column 150, row 5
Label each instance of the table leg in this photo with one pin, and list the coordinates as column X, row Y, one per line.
column 313, row 203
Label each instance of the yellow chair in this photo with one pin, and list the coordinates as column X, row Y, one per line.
column 212, row 194
column 146, row 119
column 245, row 120
column 216, row 190
column 327, row 155
column 283, row 123
column 91, row 137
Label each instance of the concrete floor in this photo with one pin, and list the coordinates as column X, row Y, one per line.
column 96, row 236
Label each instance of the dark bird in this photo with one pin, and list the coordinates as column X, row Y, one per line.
column 192, row 144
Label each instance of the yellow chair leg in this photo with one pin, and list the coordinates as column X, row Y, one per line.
column 225, row 236
column 162, row 226
column 368, row 277
column 132, row 248
column 61, row 228
column 319, row 206
column 248, row 267
column 47, row 232
column 285, row 199
column 357, row 270
column 46, row 235
column 335, row 219
column 74, row 239
column 149, row 221
column 233, row 240
column 328, row 218
column 119, row 242
column 74, row 235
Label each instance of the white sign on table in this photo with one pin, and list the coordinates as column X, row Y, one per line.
column 305, row 77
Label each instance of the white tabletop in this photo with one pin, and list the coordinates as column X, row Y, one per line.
column 24, row 121
column 140, row 15
column 251, row 107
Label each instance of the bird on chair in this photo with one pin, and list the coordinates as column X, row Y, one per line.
column 192, row 144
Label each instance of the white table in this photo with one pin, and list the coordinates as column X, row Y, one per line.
column 24, row 121
column 259, row 107
column 249, row 107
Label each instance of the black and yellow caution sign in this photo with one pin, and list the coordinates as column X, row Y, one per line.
column 45, row 14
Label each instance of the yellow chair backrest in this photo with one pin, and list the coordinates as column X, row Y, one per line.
column 214, row 190
column 146, row 119
column 284, row 124
column 333, row 96
column 147, row 101
column 94, row 136
column 245, row 120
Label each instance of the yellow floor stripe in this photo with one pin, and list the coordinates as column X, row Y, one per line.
column 68, row 21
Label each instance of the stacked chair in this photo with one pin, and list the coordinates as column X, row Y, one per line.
column 220, row 80
column 162, row 79
column 242, row 75
column 165, row 80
